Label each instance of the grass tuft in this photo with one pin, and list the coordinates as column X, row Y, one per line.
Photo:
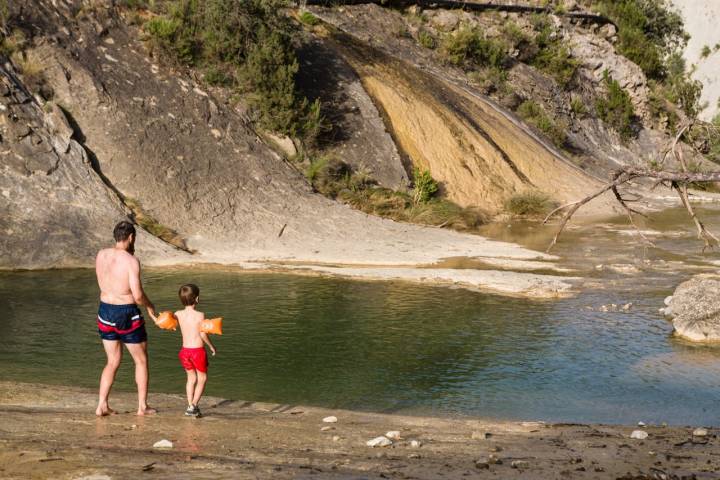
column 529, row 203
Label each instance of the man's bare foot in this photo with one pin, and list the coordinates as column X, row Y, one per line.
column 104, row 411
column 146, row 411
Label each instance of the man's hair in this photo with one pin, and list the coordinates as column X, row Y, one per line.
column 123, row 230
column 189, row 294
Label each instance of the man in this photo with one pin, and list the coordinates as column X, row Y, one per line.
column 119, row 318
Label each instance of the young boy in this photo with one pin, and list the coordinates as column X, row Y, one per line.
column 192, row 354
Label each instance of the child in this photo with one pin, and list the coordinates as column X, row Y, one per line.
column 192, row 354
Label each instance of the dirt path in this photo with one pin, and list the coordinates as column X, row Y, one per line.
column 50, row 432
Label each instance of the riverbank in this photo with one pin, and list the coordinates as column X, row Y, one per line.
column 51, row 432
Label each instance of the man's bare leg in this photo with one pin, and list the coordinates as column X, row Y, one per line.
column 139, row 355
column 113, row 350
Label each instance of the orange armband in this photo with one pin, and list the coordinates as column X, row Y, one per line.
column 167, row 321
column 212, row 326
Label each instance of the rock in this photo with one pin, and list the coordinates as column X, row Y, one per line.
column 668, row 300
column 330, row 419
column 627, row 307
column 445, row 20
column 639, row 435
column 482, row 465
column 570, row 5
column 284, row 143
column 335, row 438
column 59, row 127
column 480, row 435
column 700, row 432
column 696, row 309
column 393, row 435
column 163, row 444
column 608, row 31
column 494, row 460
column 415, row 444
column 325, row 429
column 641, row 424
column 519, row 464
column 381, row 441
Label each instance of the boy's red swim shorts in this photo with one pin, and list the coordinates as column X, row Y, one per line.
column 193, row 359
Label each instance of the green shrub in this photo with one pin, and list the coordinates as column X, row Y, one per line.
column 534, row 114
column 529, row 203
column 649, row 30
column 248, row 44
column 553, row 56
column 12, row 43
column 424, row 185
column 308, row 18
column 577, row 105
column 615, row 108
column 426, row 39
column 467, row 46
column 705, row 52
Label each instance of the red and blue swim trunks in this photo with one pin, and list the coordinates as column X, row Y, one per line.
column 194, row 359
column 121, row 322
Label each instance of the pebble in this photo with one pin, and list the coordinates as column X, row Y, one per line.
column 415, row 444
column 163, row 444
column 414, row 455
column 639, row 435
column 482, row 465
column 700, row 432
column 330, row 419
column 336, row 438
column 519, row 464
column 327, row 428
column 494, row 460
column 641, row 424
column 668, row 300
column 480, row 435
column 393, row 435
column 381, row 441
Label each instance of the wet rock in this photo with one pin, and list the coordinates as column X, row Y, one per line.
column 639, row 435
column 381, row 441
column 163, row 444
column 696, row 309
column 393, row 435
column 330, row 419
column 700, row 432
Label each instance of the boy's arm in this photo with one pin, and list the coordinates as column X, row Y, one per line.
column 209, row 343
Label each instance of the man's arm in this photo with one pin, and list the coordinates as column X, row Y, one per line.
column 137, row 290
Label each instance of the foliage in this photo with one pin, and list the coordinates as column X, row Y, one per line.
column 426, row 39
column 705, row 52
column 577, row 105
column 552, row 56
column 680, row 88
column 154, row 227
column 648, row 31
column 529, row 203
column 308, row 18
column 615, row 108
column 249, row 45
column 12, row 43
column 425, row 186
column 534, row 114
column 467, row 46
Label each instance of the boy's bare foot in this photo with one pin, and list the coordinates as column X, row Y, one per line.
column 104, row 411
column 146, row 411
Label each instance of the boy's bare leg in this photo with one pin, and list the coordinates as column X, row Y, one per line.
column 113, row 350
column 190, row 386
column 199, row 387
column 139, row 355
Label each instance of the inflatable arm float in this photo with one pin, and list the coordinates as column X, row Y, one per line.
column 168, row 321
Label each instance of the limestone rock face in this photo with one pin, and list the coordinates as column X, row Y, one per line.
column 55, row 210
column 696, row 309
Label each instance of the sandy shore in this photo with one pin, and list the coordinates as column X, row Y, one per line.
column 51, row 432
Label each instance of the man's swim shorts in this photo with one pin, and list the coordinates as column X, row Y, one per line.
column 121, row 322
column 194, row 359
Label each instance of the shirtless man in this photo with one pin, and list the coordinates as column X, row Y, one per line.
column 119, row 318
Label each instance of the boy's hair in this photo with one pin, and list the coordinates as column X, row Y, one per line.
column 123, row 230
column 189, row 294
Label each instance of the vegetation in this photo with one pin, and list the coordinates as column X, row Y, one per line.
column 529, row 203
column 705, row 52
column 336, row 179
column 577, row 105
column 553, row 56
column 468, row 47
column 308, row 18
column 12, row 43
column 648, row 32
column 615, row 108
column 248, row 45
column 534, row 114
column 426, row 39
column 154, row 227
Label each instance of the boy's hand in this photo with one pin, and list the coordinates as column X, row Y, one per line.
column 212, row 351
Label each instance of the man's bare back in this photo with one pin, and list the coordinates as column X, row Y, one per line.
column 114, row 269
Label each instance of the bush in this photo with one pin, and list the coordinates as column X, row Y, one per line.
column 615, row 108
column 577, row 105
column 154, row 227
column 426, row 39
column 553, row 56
column 12, row 43
column 648, row 32
column 529, row 203
column 705, row 52
column 248, row 44
column 308, row 18
column 534, row 114
column 425, row 186
column 467, row 46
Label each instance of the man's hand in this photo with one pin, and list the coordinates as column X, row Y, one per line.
column 151, row 311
